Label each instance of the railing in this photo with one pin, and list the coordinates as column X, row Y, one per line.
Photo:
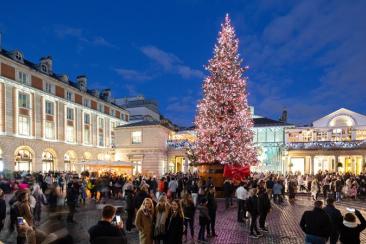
column 326, row 145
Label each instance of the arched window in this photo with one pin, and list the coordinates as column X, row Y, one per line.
column 23, row 160
column 342, row 121
column 47, row 161
column 69, row 160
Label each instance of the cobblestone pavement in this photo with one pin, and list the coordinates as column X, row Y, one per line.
column 283, row 224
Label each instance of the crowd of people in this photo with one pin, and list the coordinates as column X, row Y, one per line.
column 163, row 210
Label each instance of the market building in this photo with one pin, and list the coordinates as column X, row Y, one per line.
column 48, row 122
column 156, row 148
column 335, row 142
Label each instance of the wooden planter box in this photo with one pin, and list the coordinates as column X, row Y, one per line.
column 216, row 172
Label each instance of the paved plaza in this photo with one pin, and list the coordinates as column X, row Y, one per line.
column 283, row 224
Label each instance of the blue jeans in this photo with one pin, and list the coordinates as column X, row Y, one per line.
column 311, row 239
column 338, row 196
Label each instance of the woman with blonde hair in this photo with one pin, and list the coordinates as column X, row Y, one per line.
column 144, row 221
column 161, row 215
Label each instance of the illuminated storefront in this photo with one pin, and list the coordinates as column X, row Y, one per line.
column 334, row 143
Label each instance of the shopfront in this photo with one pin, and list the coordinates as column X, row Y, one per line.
column 23, row 160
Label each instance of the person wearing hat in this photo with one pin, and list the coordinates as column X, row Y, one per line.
column 350, row 230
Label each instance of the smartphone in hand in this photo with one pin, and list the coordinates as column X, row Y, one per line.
column 352, row 210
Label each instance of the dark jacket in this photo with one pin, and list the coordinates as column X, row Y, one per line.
column 211, row 203
column 228, row 188
column 316, row 222
column 335, row 217
column 174, row 229
column 188, row 210
column 264, row 204
column 252, row 205
column 352, row 235
column 2, row 209
column 105, row 229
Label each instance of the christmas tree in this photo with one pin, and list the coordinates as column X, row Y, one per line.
column 223, row 120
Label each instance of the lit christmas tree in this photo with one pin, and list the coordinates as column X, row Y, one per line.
column 223, row 120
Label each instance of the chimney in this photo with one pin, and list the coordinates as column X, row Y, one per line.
column 47, row 62
column 95, row 93
column 106, row 94
column 284, row 116
column 82, row 82
column 64, row 78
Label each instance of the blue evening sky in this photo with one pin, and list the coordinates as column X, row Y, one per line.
column 306, row 56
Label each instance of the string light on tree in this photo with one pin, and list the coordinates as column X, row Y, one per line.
column 223, row 120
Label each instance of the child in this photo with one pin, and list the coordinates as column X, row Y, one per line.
column 204, row 218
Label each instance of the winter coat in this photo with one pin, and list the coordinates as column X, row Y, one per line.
column 204, row 218
column 228, row 188
column 252, row 205
column 264, row 204
column 2, row 209
column 174, row 231
column 335, row 216
column 188, row 210
column 350, row 232
column 211, row 203
column 161, row 216
column 144, row 224
column 321, row 227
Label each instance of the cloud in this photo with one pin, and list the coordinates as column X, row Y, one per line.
column 309, row 59
column 181, row 109
column 171, row 63
column 131, row 89
column 130, row 74
column 63, row 32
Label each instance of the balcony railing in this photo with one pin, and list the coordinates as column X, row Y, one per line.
column 326, row 145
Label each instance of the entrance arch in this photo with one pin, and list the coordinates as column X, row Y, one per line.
column 70, row 160
column 23, row 158
column 48, row 160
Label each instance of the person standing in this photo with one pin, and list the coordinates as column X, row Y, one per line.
column 2, row 209
column 335, row 219
column 253, row 210
column 173, row 186
column 338, row 189
column 204, row 219
column 72, row 195
column 228, row 192
column 188, row 211
column 277, row 192
column 264, row 206
column 162, row 210
column 212, row 207
column 40, row 200
column 316, row 224
column 174, row 225
column 144, row 221
column 350, row 230
column 241, row 195
column 130, row 207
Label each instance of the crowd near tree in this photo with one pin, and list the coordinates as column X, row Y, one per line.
column 164, row 210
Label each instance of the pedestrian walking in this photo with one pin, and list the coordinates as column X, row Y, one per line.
column 264, row 206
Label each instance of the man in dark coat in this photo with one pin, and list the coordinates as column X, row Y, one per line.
column 264, row 206
column 212, row 207
column 335, row 219
column 252, row 205
column 316, row 224
column 228, row 191
column 72, row 194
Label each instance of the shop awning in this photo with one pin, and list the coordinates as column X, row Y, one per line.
column 106, row 163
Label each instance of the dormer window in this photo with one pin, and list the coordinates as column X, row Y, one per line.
column 44, row 68
column 19, row 56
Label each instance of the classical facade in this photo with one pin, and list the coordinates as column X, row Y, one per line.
column 48, row 122
column 336, row 142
